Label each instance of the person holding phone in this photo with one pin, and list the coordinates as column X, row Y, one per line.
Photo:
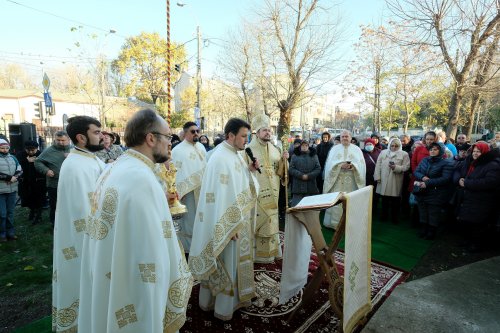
column 345, row 171
column 389, row 172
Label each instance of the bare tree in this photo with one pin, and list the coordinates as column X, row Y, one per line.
column 236, row 61
column 460, row 29
column 486, row 69
column 302, row 37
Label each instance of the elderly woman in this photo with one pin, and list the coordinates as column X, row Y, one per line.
column 304, row 168
column 432, row 189
column 110, row 152
column 389, row 171
column 478, row 181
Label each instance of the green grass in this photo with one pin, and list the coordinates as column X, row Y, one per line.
column 26, row 266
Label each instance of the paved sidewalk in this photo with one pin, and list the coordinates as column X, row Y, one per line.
column 464, row 299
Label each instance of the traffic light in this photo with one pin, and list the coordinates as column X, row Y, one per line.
column 178, row 68
column 38, row 110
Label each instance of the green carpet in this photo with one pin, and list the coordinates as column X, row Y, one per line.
column 43, row 325
column 396, row 245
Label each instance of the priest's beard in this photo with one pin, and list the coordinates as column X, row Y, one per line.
column 196, row 140
column 160, row 158
column 94, row 148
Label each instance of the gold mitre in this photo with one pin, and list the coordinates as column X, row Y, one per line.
column 260, row 121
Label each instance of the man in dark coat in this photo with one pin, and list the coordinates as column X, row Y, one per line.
column 322, row 150
column 32, row 189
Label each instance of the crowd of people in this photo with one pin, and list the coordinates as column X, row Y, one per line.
column 433, row 180
column 122, row 262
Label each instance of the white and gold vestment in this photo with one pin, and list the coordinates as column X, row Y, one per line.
column 342, row 180
column 77, row 181
column 267, row 246
column 226, row 208
column 134, row 275
column 189, row 160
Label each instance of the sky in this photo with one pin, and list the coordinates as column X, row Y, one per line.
column 37, row 34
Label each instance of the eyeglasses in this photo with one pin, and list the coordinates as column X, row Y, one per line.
column 168, row 137
column 195, row 131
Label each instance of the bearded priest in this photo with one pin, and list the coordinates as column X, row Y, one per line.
column 267, row 246
column 134, row 275
column 189, row 160
column 221, row 254
column 345, row 171
column 77, row 180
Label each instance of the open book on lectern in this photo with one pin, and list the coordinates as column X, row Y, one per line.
column 320, row 201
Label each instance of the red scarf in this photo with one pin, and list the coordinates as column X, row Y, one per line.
column 484, row 148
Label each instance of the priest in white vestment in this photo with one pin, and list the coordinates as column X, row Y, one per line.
column 221, row 254
column 189, row 160
column 77, row 180
column 344, row 172
column 134, row 275
column 267, row 245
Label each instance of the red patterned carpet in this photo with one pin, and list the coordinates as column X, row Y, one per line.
column 266, row 315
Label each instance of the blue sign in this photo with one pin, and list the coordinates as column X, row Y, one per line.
column 48, row 99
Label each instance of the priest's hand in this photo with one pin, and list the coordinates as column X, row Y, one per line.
column 286, row 155
column 172, row 196
column 346, row 166
column 236, row 236
column 254, row 165
column 50, row 173
column 305, row 177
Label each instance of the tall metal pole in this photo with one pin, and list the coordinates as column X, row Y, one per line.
column 169, row 71
column 198, row 72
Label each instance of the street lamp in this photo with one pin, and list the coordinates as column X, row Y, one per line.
column 198, row 71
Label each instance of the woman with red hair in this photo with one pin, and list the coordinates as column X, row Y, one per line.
column 478, row 178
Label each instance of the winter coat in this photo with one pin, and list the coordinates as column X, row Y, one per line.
column 438, row 187
column 322, row 150
column 32, row 187
column 9, row 167
column 391, row 181
column 51, row 158
column 371, row 162
column 481, row 187
column 304, row 164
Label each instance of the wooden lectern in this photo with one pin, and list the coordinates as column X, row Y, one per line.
column 308, row 215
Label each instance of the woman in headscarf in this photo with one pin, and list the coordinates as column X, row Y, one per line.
column 432, row 189
column 478, row 178
column 389, row 171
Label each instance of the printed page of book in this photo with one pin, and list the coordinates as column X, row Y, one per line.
column 319, row 201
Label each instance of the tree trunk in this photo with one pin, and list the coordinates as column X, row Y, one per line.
column 284, row 121
column 454, row 112
column 474, row 105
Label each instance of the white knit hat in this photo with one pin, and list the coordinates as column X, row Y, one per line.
column 4, row 142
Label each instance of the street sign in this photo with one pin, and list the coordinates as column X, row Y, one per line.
column 46, row 82
column 197, row 116
column 48, row 99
